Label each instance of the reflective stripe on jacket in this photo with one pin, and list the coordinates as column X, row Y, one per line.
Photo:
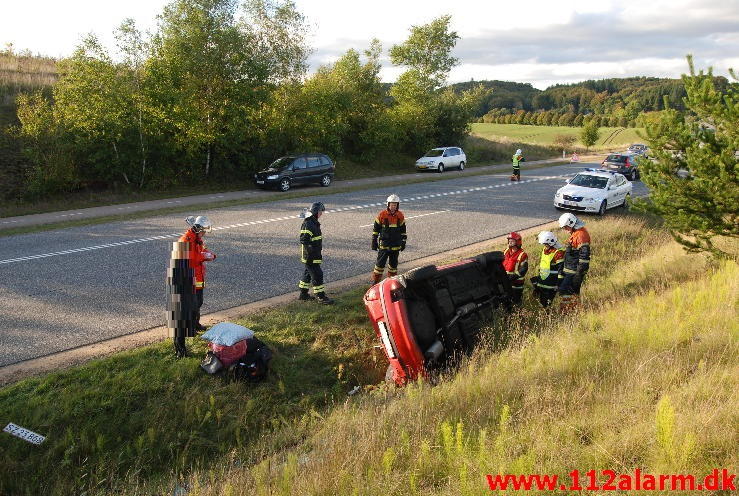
column 311, row 241
column 550, row 265
column 577, row 254
column 390, row 230
column 516, row 265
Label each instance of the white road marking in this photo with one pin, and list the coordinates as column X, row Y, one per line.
column 412, row 217
column 233, row 226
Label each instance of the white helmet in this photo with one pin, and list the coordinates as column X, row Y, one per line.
column 518, row 152
column 547, row 238
column 393, row 199
column 567, row 220
column 199, row 224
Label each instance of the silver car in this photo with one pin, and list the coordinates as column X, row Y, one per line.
column 440, row 159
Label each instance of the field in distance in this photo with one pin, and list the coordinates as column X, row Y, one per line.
column 611, row 138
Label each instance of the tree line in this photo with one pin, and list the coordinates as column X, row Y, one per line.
column 624, row 102
column 218, row 91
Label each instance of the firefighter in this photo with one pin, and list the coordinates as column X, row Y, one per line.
column 517, row 159
column 388, row 238
column 550, row 267
column 516, row 265
column 311, row 243
column 576, row 261
column 198, row 255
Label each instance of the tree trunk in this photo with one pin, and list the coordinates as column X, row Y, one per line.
column 207, row 161
column 143, row 153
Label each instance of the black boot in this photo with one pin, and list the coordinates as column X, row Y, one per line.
column 304, row 296
column 322, row 298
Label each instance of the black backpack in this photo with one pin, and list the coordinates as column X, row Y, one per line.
column 254, row 365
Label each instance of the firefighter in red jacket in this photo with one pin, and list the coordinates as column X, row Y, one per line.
column 576, row 261
column 388, row 238
column 550, row 268
column 516, row 265
column 199, row 254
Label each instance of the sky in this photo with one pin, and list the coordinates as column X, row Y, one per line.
column 537, row 42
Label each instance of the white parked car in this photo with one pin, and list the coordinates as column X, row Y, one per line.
column 440, row 159
column 594, row 191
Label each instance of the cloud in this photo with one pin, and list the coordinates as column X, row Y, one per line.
column 627, row 38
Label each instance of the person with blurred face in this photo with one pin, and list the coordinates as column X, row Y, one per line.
column 515, row 262
column 388, row 238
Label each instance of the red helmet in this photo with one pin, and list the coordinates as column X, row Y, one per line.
column 517, row 237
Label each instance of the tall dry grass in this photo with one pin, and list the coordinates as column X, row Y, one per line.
column 645, row 376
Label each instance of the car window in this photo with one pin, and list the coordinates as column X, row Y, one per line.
column 588, row 181
column 324, row 160
column 299, row 163
column 616, row 158
column 434, row 153
column 281, row 163
column 459, row 151
column 313, row 162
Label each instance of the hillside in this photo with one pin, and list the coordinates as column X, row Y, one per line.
column 645, row 376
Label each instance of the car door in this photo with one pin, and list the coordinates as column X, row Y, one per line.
column 300, row 170
column 313, row 172
column 613, row 191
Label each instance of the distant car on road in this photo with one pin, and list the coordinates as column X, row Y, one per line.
column 594, row 191
column 442, row 158
column 623, row 163
column 638, row 149
column 287, row 171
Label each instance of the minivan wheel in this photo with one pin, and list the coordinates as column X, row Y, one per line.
column 440, row 169
column 325, row 180
column 602, row 209
column 627, row 201
column 284, row 184
column 461, row 166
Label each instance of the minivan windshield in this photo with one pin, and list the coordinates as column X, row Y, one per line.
column 281, row 163
column 434, row 153
column 588, row 181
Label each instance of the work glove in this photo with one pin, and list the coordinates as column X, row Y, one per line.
column 374, row 243
column 402, row 246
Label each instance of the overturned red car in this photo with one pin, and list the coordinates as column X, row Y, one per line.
column 427, row 315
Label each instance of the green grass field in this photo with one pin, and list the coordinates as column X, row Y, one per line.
column 645, row 376
column 611, row 138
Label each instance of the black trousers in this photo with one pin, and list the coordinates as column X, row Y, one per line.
column 390, row 257
column 312, row 275
column 570, row 285
column 516, row 294
column 179, row 340
column 546, row 296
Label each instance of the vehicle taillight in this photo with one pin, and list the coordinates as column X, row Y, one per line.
column 628, row 164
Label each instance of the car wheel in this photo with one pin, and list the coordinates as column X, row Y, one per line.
column 490, row 258
column 632, row 176
column 461, row 166
column 420, row 274
column 440, row 169
column 637, row 175
column 325, row 180
column 627, row 202
column 602, row 209
column 284, row 184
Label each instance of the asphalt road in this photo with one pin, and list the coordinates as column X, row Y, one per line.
column 66, row 288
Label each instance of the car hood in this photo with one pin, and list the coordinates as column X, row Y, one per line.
column 581, row 191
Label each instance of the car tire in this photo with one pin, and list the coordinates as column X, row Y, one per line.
column 632, row 176
column 637, row 175
column 440, row 170
column 284, row 184
column 326, row 180
column 461, row 166
column 490, row 258
column 627, row 202
column 603, row 208
column 420, row 274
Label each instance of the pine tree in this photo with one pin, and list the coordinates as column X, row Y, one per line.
column 693, row 181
